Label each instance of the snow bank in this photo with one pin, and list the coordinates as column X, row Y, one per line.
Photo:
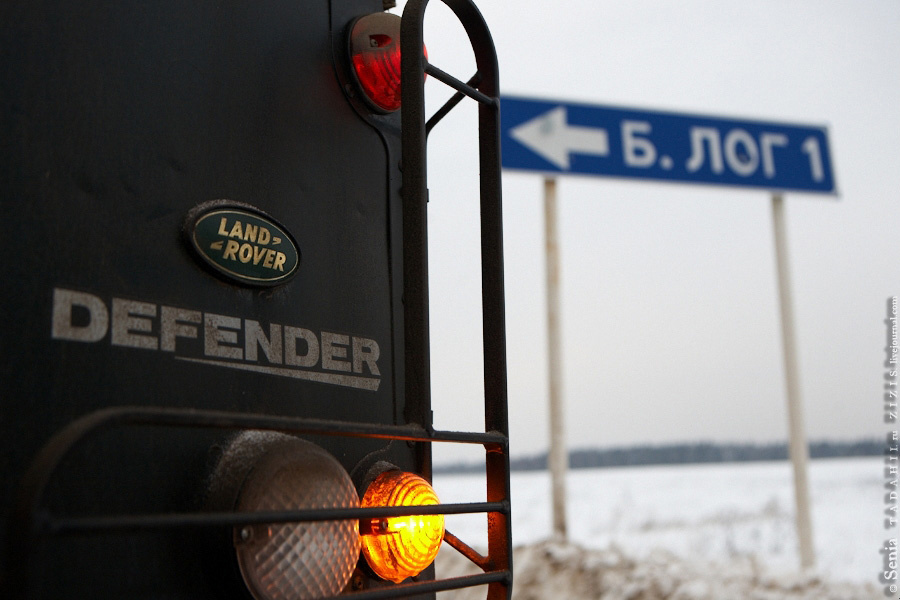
column 558, row 571
column 732, row 514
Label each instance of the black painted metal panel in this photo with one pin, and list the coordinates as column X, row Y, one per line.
column 118, row 118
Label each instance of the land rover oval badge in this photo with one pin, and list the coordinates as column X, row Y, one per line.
column 242, row 244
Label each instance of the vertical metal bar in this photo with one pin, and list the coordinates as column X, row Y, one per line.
column 799, row 450
column 414, row 191
column 496, row 416
column 557, row 457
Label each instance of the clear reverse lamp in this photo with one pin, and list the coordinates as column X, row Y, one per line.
column 293, row 561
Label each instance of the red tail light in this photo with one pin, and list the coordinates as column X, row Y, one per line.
column 375, row 53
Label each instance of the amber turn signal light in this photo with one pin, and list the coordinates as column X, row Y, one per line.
column 400, row 547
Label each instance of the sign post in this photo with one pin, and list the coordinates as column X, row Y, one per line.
column 568, row 138
column 798, row 447
column 558, row 456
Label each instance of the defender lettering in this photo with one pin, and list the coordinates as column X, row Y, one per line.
column 226, row 341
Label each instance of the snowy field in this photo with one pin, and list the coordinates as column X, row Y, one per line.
column 718, row 513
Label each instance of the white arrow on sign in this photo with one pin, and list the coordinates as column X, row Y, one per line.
column 549, row 136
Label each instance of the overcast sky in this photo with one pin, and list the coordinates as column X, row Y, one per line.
column 670, row 309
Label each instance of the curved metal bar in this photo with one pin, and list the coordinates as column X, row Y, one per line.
column 415, row 253
column 46, row 461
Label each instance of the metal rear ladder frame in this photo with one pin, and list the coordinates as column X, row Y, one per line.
column 483, row 87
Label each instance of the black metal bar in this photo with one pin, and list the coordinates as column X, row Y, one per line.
column 414, row 191
column 490, row 438
column 450, row 104
column 174, row 417
column 53, row 526
column 430, row 587
column 459, row 86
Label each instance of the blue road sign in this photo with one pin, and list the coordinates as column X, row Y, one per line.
column 564, row 137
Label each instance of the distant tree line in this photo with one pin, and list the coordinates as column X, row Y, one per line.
column 671, row 454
